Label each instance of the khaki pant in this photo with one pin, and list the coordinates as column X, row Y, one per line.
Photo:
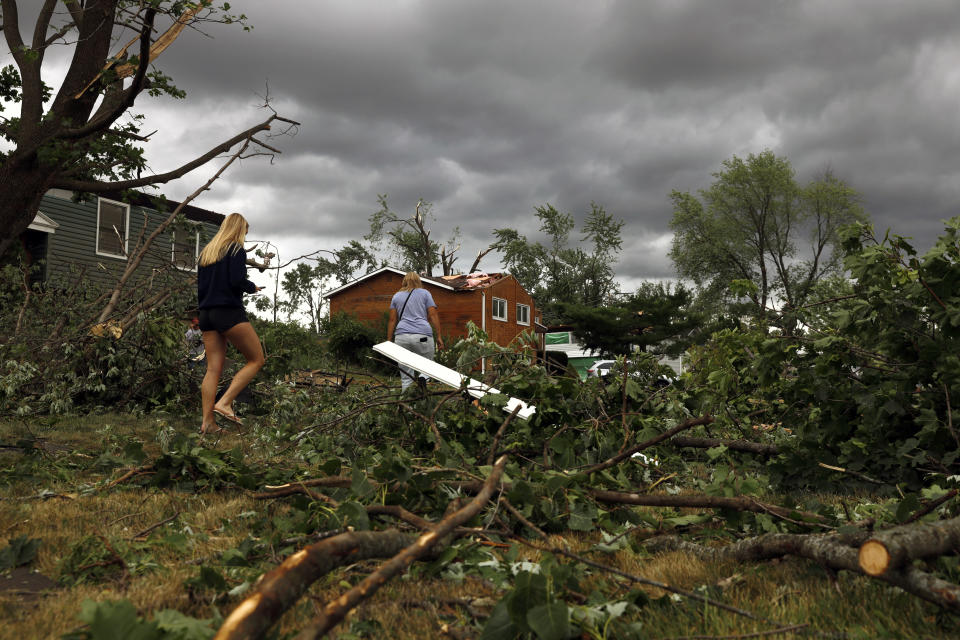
column 418, row 343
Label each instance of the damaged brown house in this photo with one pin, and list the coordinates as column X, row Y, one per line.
column 495, row 302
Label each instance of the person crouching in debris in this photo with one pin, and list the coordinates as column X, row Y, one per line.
column 413, row 323
column 221, row 283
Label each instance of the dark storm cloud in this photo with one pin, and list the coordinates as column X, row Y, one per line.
column 489, row 109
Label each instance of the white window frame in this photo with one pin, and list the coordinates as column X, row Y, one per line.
column 496, row 302
column 196, row 247
column 526, row 314
column 126, row 231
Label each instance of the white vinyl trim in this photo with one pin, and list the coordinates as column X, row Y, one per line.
column 449, row 377
column 432, row 283
column 524, row 317
column 43, row 222
column 498, row 302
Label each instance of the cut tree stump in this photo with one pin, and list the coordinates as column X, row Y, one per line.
column 893, row 548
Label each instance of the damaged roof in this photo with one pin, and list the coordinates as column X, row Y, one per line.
column 461, row 282
column 476, row 280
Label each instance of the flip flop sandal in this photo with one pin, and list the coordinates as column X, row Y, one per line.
column 229, row 417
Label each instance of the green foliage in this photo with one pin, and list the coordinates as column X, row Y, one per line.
column 306, row 284
column 868, row 387
column 656, row 317
column 118, row 620
column 749, row 226
column 187, row 465
column 350, row 340
column 408, row 239
column 57, row 363
column 290, row 347
column 560, row 272
column 18, row 552
column 92, row 559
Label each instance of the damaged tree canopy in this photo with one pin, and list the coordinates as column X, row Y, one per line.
column 79, row 138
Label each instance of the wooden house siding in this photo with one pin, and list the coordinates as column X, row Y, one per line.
column 71, row 251
column 504, row 331
column 369, row 300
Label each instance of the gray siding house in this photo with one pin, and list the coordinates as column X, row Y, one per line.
column 92, row 240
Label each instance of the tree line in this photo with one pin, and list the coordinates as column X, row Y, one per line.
column 756, row 246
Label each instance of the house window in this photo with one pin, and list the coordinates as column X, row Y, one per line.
column 112, row 225
column 523, row 314
column 499, row 309
column 185, row 249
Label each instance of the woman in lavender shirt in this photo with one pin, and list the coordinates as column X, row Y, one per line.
column 413, row 324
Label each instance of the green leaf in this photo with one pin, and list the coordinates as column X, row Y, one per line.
column 499, row 625
column 360, row 486
column 530, row 591
column 18, row 552
column 116, row 620
column 715, row 452
column 183, row 627
column 355, row 515
column 582, row 516
column 209, row 578
column 550, row 621
column 907, row 507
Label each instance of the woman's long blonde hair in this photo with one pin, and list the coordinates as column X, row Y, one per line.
column 230, row 237
column 411, row 281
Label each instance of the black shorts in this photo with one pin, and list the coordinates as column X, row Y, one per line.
column 221, row 319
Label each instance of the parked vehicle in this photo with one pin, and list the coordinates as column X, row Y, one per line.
column 602, row 368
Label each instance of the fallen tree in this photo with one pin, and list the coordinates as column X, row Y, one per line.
column 833, row 551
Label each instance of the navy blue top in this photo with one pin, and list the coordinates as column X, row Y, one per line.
column 223, row 283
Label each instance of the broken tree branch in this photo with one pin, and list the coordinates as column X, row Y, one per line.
column 623, row 455
column 280, row 588
column 744, row 446
column 499, row 433
column 737, row 503
column 335, row 611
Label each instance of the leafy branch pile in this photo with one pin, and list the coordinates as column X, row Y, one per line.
column 718, row 465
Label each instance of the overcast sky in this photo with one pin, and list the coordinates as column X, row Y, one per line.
column 489, row 108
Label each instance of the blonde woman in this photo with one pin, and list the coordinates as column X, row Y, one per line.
column 413, row 324
column 221, row 283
